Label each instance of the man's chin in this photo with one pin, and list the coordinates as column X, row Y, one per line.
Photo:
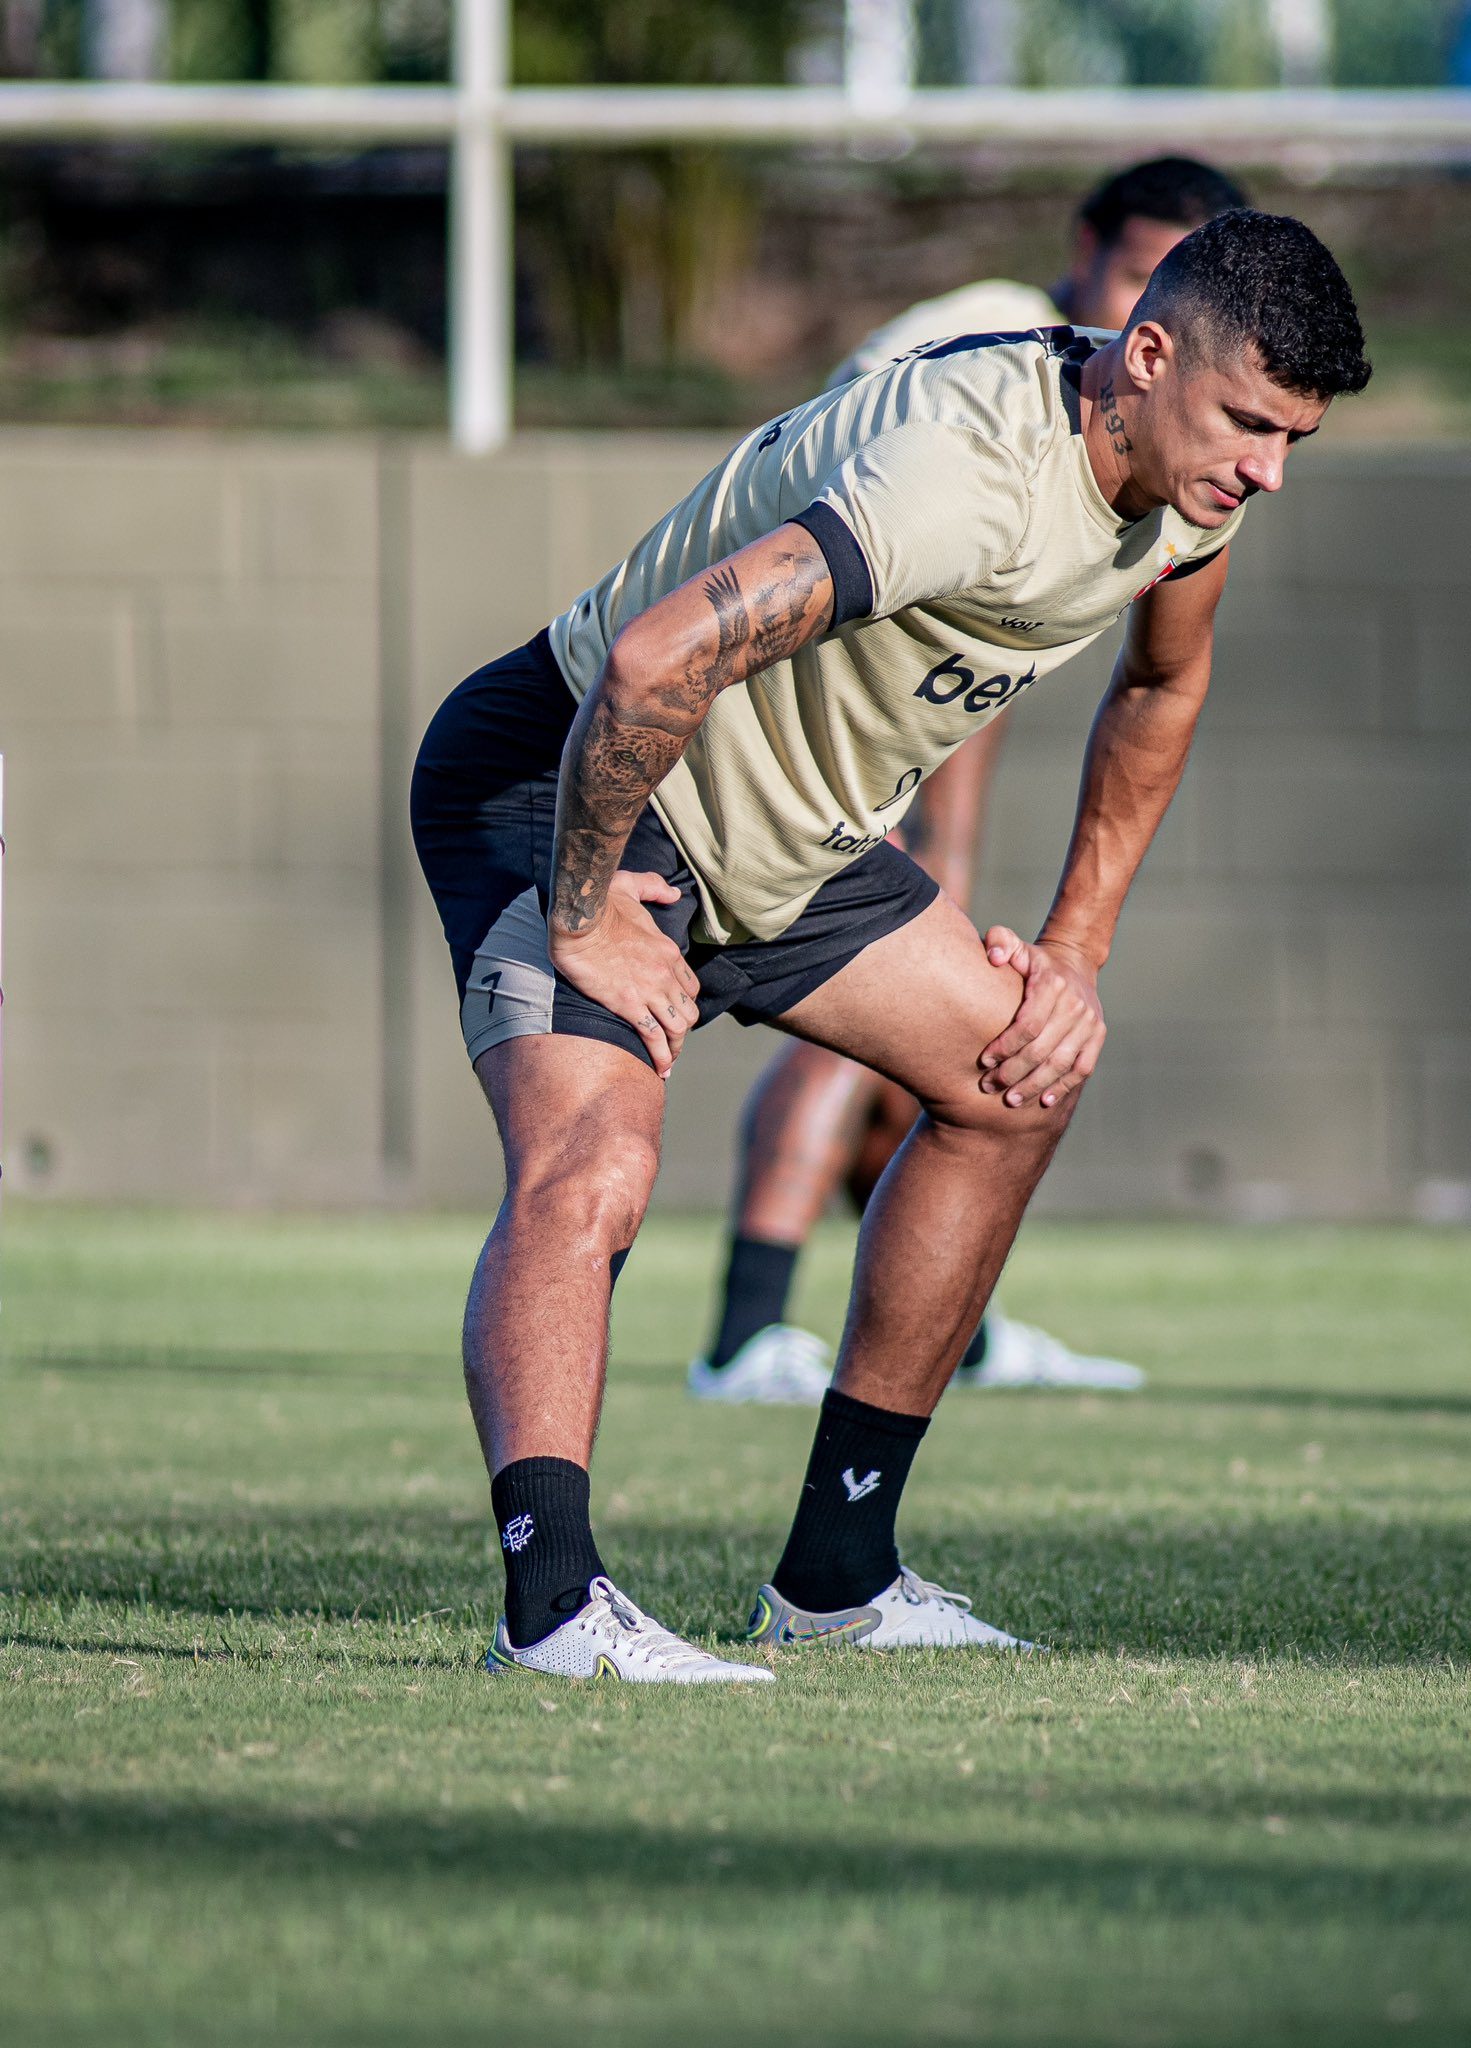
column 1206, row 517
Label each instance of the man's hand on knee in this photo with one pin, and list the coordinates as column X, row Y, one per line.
column 628, row 965
column 1052, row 1044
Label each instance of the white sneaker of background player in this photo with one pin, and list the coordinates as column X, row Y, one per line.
column 612, row 1638
column 1018, row 1355
column 781, row 1366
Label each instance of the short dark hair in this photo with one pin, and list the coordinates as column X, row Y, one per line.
column 1262, row 278
column 1179, row 190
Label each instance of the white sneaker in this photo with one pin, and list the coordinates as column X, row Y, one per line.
column 611, row 1638
column 911, row 1614
column 1019, row 1355
column 780, row 1366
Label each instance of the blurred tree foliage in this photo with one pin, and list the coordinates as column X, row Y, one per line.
column 1227, row 43
column 624, row 247
column 624, row 252
column 658, row 42
column 306, row 41
column 1393, row 42
column 742, row 42
column 346, row 42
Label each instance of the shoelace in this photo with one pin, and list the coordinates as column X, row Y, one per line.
column 917, row 1590
column 646, row 1639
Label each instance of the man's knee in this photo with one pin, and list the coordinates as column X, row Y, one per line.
column 592, row 1187
column 579, row 1124
column 951, row 1093
column 960, row 1106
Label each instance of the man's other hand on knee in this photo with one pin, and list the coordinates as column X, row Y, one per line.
column 1053, row 1043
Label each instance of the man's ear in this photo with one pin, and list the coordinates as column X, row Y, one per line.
column 1149, row 353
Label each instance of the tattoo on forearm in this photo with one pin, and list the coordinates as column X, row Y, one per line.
column 1113, row 420
column 620, row 755
column 615, row 769
column 733, row 622
column 782, row 605
column 784, row 609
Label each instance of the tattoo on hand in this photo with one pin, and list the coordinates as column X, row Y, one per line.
column 1113, row 420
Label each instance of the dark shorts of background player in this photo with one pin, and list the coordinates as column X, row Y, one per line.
column 483, row 807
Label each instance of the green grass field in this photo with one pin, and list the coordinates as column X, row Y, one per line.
column 253, row 1788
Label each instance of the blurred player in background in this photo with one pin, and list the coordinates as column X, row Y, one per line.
column 814, row 1120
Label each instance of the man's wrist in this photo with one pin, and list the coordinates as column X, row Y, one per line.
column 575, row 909
column 582, row 923
column 1092, row 947
column 560, row 933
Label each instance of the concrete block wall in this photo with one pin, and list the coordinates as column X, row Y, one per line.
column 189, row 708
column 226, row 982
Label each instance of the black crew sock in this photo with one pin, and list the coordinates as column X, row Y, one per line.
column 541, row 1513
column 758, row 1280
column 841, row 1550
column 975, row 1351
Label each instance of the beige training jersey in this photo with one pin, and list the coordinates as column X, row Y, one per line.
column 972, row 552
column 993, row 306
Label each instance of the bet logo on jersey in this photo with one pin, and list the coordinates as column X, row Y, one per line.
column 951, row 679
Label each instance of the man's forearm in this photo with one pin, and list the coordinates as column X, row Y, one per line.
column 654, row 691
column 627, row 736
column 615, row 759
column 1136, row 755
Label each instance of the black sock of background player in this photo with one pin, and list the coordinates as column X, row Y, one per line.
column 758, row 1280
column 975, row 1351
column 841, row 1550
column 541, row 1513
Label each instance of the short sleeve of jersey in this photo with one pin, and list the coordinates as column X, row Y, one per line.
column 934, row 510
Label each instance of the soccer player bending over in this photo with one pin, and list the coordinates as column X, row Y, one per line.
column 675, row 802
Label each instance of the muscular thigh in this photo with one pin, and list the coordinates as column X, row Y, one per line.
column 919, row 1006
column 573, row 1105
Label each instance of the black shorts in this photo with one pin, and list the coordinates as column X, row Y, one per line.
column 483, row 807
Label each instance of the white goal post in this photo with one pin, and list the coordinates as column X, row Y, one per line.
column 482, row 117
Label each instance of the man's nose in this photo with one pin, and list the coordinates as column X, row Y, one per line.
column 1262, row 468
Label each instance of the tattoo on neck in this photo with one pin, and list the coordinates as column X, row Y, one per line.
column 1113, row 420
